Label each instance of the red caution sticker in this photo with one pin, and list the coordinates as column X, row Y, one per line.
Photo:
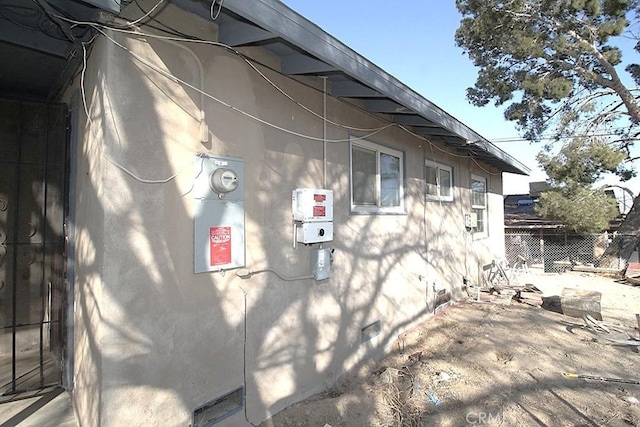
column 220, row 245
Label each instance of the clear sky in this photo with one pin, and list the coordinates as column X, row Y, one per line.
column 414, row 41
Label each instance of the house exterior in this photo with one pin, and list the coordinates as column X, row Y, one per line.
column 191, row 298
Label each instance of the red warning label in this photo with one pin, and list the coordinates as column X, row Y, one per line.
column 319, row 198
column 220, row 245
column 319, row 211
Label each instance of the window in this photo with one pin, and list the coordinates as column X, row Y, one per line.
column 439, row 181
column 377, row 178
column 479, row 203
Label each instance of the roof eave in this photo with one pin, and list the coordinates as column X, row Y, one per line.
column 280, row 20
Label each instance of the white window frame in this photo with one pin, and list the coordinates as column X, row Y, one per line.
column 439, row 167
column 482, row 208
column 377, row 208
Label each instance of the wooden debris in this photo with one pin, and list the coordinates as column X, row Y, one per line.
column 531, row 298
column 614, row 272
column 529, row 295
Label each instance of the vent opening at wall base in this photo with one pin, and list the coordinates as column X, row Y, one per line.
column 370, row 331
column 443, row 300
column 218, row 409
column 442, row 297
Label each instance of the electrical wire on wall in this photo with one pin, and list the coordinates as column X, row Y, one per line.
column 432, row 145
column 100, row 28
column 214, row 14
column 132, row 23
column 249, row 61
column 227, row 105
column 244, row 356
column 90, row 121
column 442, row 226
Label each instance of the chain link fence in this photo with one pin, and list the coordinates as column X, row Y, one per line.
column 557, row 252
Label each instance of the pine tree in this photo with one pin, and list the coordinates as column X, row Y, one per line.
column 557, row 67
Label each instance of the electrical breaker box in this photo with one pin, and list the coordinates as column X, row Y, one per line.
column 314, row 232
column 312, row 205
column 321, row 263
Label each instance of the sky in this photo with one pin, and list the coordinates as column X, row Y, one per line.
column 413, row 40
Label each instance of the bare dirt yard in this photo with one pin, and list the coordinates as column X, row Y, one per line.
column 495, row 362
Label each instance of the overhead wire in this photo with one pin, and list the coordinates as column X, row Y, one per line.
column 52, row 20
column 256, row 69
column 250, row 61
column 172, row 77
column 167, row 29
column 372, row 131
column 552, row 138
column 226, row 104
column 229, row 48
column 7, row 10
column 132, row 23
column 215, row 15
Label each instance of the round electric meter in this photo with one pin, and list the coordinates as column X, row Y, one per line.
column 223, row 181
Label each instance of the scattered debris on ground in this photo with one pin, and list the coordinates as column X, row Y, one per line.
column 505, row 361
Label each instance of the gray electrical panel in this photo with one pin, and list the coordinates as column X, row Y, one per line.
column 218, row 226
column 320, row 263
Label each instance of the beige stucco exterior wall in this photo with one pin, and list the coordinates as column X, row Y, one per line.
column 153, row 339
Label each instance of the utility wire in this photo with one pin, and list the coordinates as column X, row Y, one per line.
column 99, row 28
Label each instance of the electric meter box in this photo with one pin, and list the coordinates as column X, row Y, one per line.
column 218, row 223
column 314, row 232
column 312, row 205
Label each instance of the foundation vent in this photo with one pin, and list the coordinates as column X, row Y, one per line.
column 370, row 331
column 443, row 299
column 218, row 409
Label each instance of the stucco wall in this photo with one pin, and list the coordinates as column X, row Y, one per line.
column 153, row 339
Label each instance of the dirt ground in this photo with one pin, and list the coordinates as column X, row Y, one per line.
column 496, row 362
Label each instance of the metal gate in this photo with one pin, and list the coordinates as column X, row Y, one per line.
column 33, row 159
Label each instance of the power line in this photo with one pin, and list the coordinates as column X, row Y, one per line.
column 549, row 138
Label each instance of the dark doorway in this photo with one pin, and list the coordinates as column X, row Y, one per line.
column 33, row 177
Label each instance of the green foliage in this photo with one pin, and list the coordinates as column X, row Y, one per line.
column 572, row 173
column 545, row 59
column 581, row 210
column 554, row 65
column 581, row 163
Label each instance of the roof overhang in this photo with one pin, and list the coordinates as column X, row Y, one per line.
column 302, row 47
column 306, row 49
